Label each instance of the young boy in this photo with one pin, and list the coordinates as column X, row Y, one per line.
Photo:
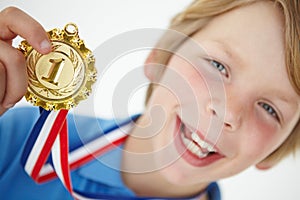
column 210, row 113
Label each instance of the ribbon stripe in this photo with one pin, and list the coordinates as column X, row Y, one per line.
column 64, row 157
column 60, row 157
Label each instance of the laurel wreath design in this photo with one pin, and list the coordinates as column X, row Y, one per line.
column 62, row 92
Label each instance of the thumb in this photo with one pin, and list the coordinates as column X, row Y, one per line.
column 14, row 21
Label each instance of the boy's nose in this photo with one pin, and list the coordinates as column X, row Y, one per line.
column 229, row 113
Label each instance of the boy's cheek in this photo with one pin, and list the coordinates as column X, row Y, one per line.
column 260, row 141
column 196, row 82
column 188, row 78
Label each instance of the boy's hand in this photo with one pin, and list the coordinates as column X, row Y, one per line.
column 13, row 75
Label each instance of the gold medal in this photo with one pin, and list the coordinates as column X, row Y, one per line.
column 62, row 78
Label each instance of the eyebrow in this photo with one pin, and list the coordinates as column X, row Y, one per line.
column 284, row 98
column 228, row 50
column 290, row 102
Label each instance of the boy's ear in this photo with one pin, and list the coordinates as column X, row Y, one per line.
column 265, row 164
column 149, row 69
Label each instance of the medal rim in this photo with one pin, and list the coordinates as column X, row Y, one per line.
column 73, row 41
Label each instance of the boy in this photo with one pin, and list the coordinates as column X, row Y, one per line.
column 210, row 114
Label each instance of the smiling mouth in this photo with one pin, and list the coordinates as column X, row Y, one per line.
column 193, row 148
column 194, row 143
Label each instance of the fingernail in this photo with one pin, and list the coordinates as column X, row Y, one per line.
column 45, row 45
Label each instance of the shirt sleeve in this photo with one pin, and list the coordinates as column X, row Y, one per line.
column 15, row 126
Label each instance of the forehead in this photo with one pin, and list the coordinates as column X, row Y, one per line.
column 255, row 29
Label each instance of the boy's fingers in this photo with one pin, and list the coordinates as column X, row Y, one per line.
column 2, row 110
column 15, row 74
column 2, row 87
column 2, row 81
column 14, row 22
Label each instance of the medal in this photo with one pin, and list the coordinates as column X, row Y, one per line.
column 57, row 82
column 62, row 78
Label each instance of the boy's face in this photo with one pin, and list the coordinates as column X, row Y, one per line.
column 235, row 95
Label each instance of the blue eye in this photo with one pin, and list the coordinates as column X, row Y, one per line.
column 219, row 67
column 271, row 111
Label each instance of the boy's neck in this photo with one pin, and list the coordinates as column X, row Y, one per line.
column 138, row 173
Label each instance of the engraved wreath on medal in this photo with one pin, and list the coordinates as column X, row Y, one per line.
column 60, row 79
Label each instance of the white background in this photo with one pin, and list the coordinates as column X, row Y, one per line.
column 100, row 20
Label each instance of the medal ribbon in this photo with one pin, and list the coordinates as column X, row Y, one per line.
column 49, row 134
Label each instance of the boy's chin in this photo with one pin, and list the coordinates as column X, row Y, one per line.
column 174, row 175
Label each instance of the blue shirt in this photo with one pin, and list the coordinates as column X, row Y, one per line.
column 91, row 179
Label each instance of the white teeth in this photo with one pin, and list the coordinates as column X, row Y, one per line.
column 196, row 145
column 211, row 149
column 193, row 147
column 202, row 143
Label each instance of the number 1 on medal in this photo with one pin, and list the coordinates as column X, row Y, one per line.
column 55, row 71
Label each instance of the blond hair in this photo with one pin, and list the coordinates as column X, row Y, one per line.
column 200, row 12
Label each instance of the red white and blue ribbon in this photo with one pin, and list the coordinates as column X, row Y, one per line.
column 50, row 135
